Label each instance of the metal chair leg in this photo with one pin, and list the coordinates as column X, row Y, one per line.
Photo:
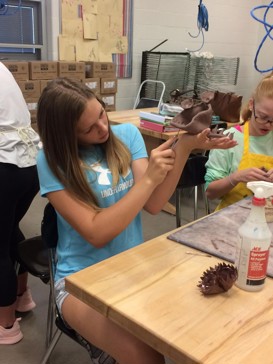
column 178, row 193
column 207, row 208
column 51, row 347
column 50, row 320
column 195, row 213
column 178, row 206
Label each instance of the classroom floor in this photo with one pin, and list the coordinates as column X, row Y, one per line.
column 33, row 324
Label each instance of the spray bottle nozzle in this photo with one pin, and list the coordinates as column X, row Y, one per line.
column 261, row 189
column 259, row 192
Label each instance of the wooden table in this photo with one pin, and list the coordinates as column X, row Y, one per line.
column 151, row 291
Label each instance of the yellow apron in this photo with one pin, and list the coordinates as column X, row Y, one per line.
column 248, row 160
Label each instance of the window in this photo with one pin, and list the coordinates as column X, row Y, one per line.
column 22, row 29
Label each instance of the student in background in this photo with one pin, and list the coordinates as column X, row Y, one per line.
column 228, row 171
column 98, row 179
column 18, row 186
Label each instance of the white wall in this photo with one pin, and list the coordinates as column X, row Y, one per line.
column 232, row 32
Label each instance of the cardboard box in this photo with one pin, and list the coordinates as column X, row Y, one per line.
column 40, row 70
column 32, row 104
column 44, row 83
column 74, row 70
column 30, row 89
column 100, row 69
column 18, row 69
column 34, row 122
column 109, row 101
column 93, row 84
column 108, row 85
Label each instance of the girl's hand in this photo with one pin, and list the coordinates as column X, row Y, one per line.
column 269, row 174
column 203, row 141
column 161, row 161
column 251, row 174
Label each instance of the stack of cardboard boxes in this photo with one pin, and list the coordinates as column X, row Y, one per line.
column 29, row 76
column 32, row 77
column 102, row 75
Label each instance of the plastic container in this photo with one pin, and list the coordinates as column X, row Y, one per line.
column 252, row 251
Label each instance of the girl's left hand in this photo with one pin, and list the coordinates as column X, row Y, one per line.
column 203, row 141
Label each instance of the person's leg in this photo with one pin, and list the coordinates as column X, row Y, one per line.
column 22, row 283
column 8, row 279
column 30, row 177
column 18, row 186
column 24, row 299
column 18, row 236
column 106, row 335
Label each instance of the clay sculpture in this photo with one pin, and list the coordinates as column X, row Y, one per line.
column 218, row 279
column 195, row 117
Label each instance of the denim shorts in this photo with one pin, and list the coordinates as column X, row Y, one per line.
column 60, row 294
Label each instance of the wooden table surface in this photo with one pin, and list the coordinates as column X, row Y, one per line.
column 151, row 291
column 132, row 116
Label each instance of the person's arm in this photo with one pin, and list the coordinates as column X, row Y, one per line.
column 99, row 227
column 183, row 148
column 222, row 173
column 219, row 188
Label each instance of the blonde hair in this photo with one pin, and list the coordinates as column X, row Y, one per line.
column 264, row 89
column 59, row 108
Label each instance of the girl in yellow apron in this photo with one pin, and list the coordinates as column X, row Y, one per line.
column 258, row 119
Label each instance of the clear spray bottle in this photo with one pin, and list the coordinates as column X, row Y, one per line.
column 252, row 251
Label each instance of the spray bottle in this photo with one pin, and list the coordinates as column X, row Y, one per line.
column 252, row 251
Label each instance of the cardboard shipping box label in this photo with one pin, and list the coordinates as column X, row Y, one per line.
column 74, row 70
column 40, row 70
column 18, row 69
column 30, row 89
column 109, row 101
column 108, row 85
column 32, row 105
column 93, row 84
column 100, row 69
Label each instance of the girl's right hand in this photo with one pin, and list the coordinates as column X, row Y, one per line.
column 161, row 161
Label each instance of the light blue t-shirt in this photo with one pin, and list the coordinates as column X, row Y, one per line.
column 73, row 252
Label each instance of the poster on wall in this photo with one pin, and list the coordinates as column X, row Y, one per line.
column 98, row 30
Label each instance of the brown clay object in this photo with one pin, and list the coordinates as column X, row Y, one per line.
column 218, row 279
column 194, row 118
